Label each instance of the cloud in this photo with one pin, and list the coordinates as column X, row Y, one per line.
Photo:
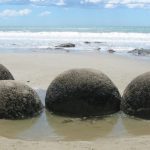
column 60, row 3
column 110, row 5
column 47, row 2
column 35, row 1
column 81, row 3
column 45, row 13
column 14, row 13
column 90, row 1
column 117, row 3
column 136, row 5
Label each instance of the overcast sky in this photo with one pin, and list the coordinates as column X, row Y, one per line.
column 75, row 12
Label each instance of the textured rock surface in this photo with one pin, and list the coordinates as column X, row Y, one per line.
column 140, row 52
column 66, row 45
column 82, row 92
column 111, row 51
column 136, row 97
column 87, row 42
column 18, row 101
column 5, row 74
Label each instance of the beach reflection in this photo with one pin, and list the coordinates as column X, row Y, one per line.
column 13, row 128
column 136, row 126
column 82, row 129
column 48, row 127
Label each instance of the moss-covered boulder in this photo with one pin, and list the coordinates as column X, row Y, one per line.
column 5, row 74
column 82, row 92
column 136, row 97
column 18, row 101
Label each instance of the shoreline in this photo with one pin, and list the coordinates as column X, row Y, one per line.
column 38, row 70
column 136, row 143
column 28, row 67
column 29, row 40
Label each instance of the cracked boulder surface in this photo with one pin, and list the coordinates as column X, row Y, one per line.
column 82, row 93
column 5, row 73
column 136, row 97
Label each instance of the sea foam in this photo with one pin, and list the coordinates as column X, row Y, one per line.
column 119, row 41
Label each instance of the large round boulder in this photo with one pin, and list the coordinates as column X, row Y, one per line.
column 18, row 101
column 5, row 74
column 136, row 97
column 82, row 92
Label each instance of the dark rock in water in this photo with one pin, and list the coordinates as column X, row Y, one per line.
column 87, row 42
column 97, row 42
column 14, row 44
column 18, row 101
column 140, row 52
column 5, row 74
column 66, row 45
column 82, row 92
column 111, row 51
column 136, row 97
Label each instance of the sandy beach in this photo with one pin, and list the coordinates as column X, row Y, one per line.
column 39, row 69
column 75, row 75
column 105, row 144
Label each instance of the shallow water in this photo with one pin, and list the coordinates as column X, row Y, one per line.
column 28, row 41
column 52, row 127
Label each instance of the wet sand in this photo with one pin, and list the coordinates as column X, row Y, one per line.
column 136, row 143
column 115, row 131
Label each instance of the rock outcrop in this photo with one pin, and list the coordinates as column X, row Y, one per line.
column 82, row 92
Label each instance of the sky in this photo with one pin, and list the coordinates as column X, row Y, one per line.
column 75, row 13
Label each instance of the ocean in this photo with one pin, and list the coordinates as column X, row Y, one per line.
column 88, row 39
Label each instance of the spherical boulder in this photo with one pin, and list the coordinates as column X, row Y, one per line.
column 82, row 92
column 18, row 101
column 136, row 97
column 5, row 74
